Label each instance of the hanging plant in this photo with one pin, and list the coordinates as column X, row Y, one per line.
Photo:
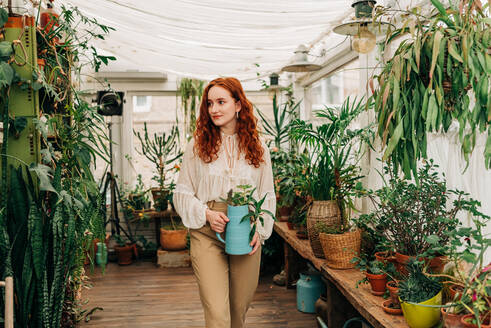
column 424, row 86
column 190, row 91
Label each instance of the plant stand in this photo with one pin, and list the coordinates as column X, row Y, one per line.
column 173, row 259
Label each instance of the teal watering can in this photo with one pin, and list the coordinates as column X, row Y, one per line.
column 237, row 233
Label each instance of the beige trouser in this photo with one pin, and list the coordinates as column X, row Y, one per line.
column 226, row 282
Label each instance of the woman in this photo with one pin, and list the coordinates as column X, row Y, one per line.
column 224, row 153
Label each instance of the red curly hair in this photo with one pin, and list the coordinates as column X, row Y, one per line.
column 207, row 135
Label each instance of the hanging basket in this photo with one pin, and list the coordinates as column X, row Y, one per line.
column 327, row 212
column 339, row 249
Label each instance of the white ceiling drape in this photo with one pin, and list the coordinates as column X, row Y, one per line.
column 207, row 38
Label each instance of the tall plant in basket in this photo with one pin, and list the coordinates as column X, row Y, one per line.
column 332, row 176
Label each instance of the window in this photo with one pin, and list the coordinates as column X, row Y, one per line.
column 142, row 104
column 333, row 89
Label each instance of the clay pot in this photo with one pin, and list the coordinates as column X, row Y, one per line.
column 173, row 240
column 378, row 282
column 435, row 265
column 451, row 320
column 391, row 308
column 454, row 290
column 125, row 254
column 466, row 321
column 393, row 288
column 284, row 213
column 302, row 234
column 385, row 257
column 291, row 226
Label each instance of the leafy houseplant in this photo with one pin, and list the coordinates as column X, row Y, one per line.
column 417, row 291
column 332, row 177
column 190, row 91
column 415, row 217
column 163, row 151
column 423, row 87
column 138, row 197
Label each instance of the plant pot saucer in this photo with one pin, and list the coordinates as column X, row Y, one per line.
column 386, row 305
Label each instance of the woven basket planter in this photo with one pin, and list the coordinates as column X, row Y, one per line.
column 327, row 212
column 340, row 249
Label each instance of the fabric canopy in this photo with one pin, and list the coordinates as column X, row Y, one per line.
column 207, row 38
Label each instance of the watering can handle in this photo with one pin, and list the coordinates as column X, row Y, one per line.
column 220, row 237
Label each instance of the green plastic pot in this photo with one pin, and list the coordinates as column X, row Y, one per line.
column 421, row 316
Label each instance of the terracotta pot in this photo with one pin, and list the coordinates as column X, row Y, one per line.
column 291, row 226
column 385, row 257
column 378, row 282
column 125, row 254
column 391, row 308
column 393, row 288
column 466, row 321
column 173, row 240
column 451, row 320
column 435, row 265
column 402, row 262
column 159, row 197
column 454, row 290
column 284, row 213
column 302, row 234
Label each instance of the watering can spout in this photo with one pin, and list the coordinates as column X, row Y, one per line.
column 220, row 237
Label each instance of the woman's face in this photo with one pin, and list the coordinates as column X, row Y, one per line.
column 223, row 108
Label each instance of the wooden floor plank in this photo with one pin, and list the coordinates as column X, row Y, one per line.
column 142, row 295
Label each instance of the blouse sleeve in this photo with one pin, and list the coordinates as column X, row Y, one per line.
column 191, row 210
column 266, row 188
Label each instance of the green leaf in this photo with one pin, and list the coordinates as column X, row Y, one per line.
column 433, row 239
column 6, row 74
column 4, row 16
column 43, row 172
column 436, row 49
column 394, row 139
column 6, row 50
column 452, row 50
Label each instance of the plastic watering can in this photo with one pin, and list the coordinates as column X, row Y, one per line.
column 237, row 233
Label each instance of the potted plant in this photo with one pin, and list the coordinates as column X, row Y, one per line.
column 138, row 198
column 415, row 217
column 244, row 211
column 374, row 274
column 163, row 151
column 469, row 279
column 173, row 235
column 419, row 294
column 332, row 176
column 125, row 250
column 146, row 249
column 423, row 87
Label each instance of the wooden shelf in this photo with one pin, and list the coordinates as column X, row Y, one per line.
column 368, row 305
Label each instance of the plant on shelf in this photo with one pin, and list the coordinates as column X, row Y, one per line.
column 163, row 151
column 420, row 297
column 332, row 176
column 470, row 277
column 417, row 218
column 138, row 198
column 424, row 86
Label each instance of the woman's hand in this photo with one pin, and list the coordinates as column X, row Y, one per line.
column 217, row 220
column 255, row 243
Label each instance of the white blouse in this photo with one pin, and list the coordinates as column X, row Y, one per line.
column 200, row 182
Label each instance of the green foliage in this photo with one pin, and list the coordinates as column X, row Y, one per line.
column 51, row 211
column 190, row 91
column 423, row 87
column 418, row 287
column 415, row 217
column 335, row 150
column 162, row 150
column 241, row 195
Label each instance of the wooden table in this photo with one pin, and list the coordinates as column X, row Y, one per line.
column 368, row 305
